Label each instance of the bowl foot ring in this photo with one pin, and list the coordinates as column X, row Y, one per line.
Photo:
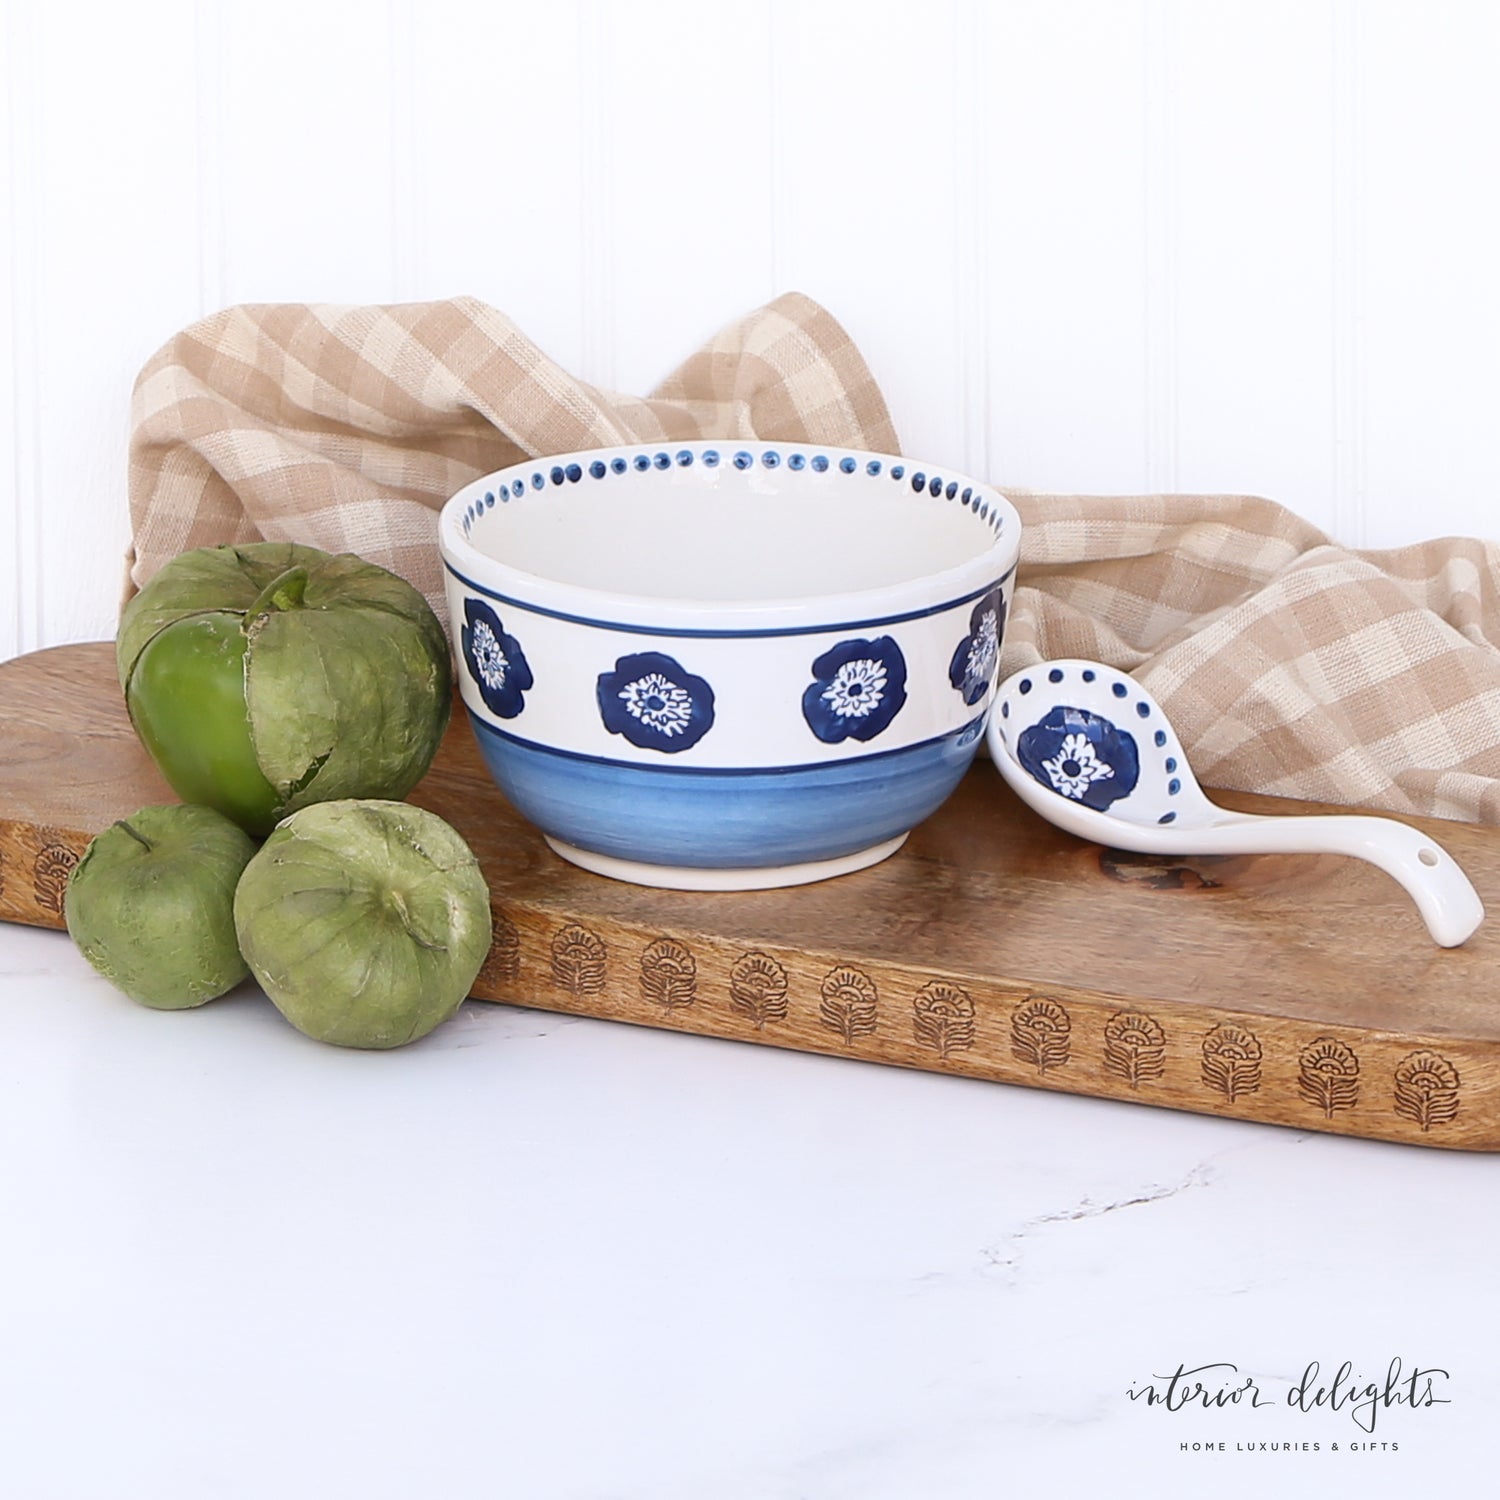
column 684, row 878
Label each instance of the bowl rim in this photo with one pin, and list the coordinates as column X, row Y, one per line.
column 929, row 593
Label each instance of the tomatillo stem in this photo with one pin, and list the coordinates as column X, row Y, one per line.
column 285, row 591
column 141, row 839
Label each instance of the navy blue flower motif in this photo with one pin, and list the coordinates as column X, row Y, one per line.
column 1083, row 757
column 654, row 703
column 860, row 688
column 495, row 660
column 972, row 669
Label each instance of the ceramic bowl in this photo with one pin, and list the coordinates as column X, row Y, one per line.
column 727, row 665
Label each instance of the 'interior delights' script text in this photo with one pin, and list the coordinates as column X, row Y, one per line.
column 1214, row 1387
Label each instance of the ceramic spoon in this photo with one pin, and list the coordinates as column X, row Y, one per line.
column 1091, row 751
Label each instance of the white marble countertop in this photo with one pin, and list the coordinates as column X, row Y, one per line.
column 544, row 1258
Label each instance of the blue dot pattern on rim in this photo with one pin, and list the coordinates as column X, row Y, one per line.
column 1118, row 689
column 1025, row 685
column 1160, row 737
column 1171, row 764
column 1173, row 787
column 1143, row 709
column 1055, row 675
column 1167, row 817
column 1088, row 676
column 771, row 458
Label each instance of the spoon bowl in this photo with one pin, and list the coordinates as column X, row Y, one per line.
column 1089, row 749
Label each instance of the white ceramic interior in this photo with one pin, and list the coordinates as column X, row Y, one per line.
column 731, row 539
column 742, row 540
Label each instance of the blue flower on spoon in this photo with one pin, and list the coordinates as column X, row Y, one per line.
column 1080, row 756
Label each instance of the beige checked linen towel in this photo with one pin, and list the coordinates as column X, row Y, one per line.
column 1288, row 664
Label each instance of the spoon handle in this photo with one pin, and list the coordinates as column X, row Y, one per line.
column 1443, row 894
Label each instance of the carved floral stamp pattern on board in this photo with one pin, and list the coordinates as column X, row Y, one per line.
column 578, row 960
column 1134, row 1047
column 1328, row 1076
column 502, row 965
column 848, row 1001
column 669, row 974
column 943, row 1017
column 49, row 876
column 1231, row 1061
column 1426, row 1088
column 758, row 989
column 1041, row 1034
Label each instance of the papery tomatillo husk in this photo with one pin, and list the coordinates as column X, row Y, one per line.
column 151, row 905
column 268, row 676
column 366, row 922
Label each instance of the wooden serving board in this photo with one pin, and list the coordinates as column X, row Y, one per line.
column 1298, row 990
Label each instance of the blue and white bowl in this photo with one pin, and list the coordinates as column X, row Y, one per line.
column 727, row 665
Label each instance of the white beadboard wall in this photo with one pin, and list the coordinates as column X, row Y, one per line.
column 1101, row 245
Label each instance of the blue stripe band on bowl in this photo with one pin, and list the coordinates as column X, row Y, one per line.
column 686, row 632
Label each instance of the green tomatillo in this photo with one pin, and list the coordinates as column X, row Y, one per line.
column 366, row 922
column 151, row 905
column 268, row 676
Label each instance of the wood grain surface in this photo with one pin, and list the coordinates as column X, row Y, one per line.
column 1295, row 990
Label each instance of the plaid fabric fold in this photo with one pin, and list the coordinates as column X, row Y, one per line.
column 1288, row 664
column 347, row 427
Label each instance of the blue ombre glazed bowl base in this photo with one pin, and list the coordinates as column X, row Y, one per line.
column 726, row 830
